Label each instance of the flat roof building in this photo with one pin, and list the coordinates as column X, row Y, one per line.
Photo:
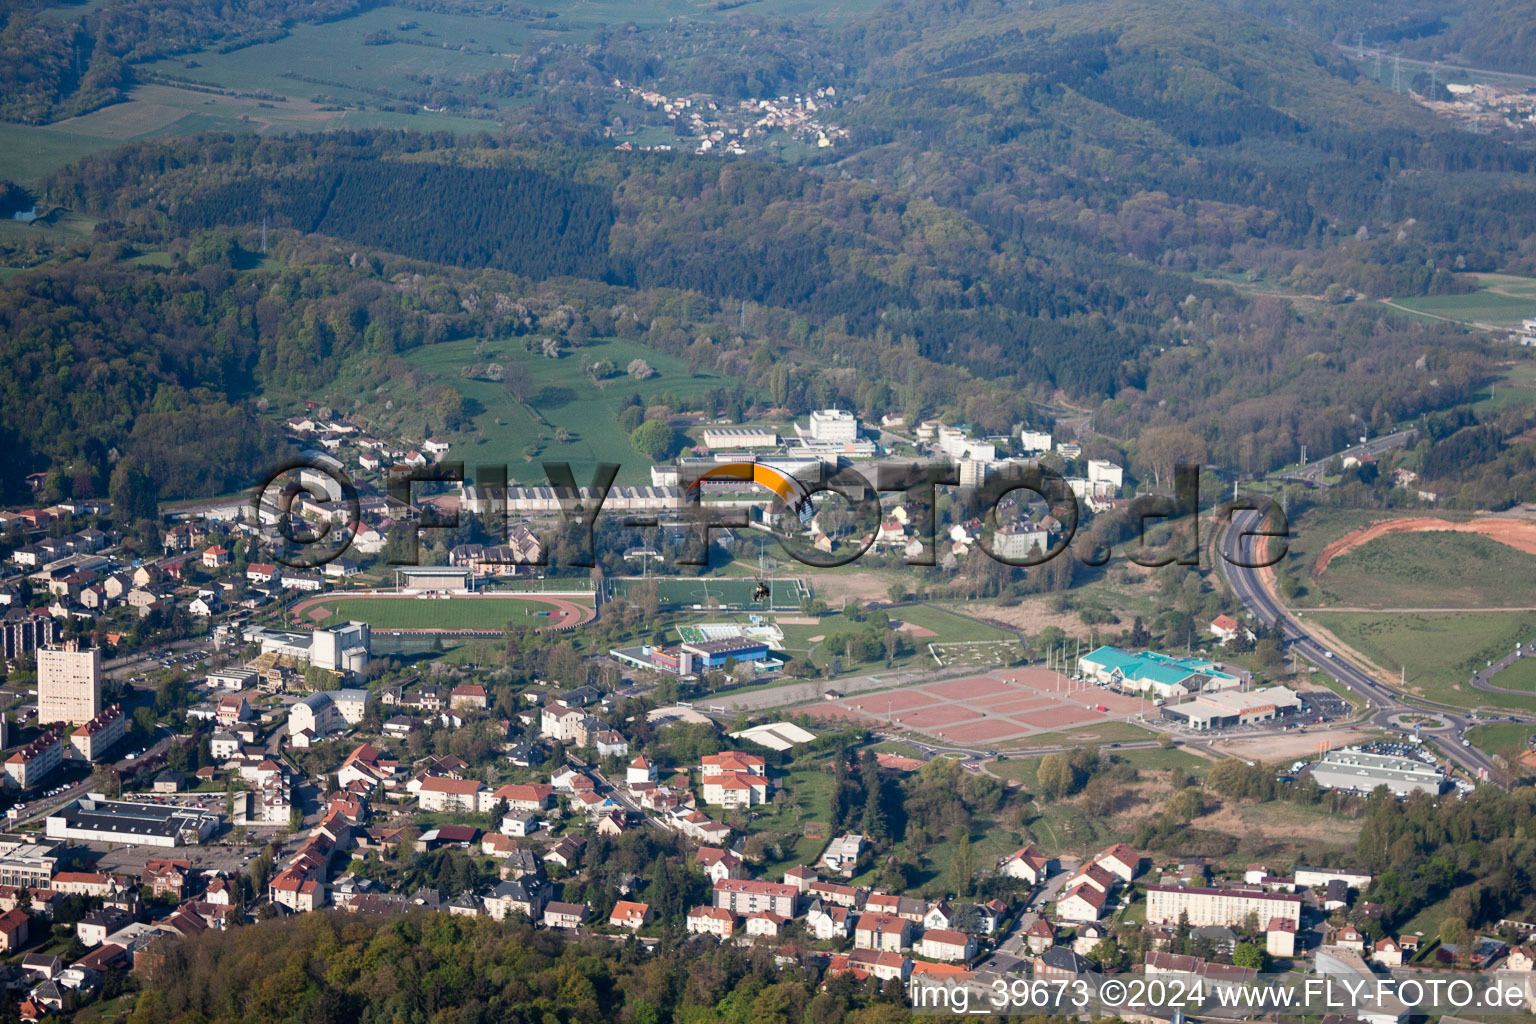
column 68, row 684
column 1225, row 709
column 88, row 820
column 1362, row 772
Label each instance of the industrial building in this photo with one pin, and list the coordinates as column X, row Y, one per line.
column 1362, row 772
column 740, row 437
column 1223, row 710
column 89, row 820
column 342, row 649
column 1158, row 675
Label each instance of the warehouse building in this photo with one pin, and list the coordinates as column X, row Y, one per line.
column 1361, row 772
column 89, row 820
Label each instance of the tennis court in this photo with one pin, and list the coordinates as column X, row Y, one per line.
column 1005, row 706
column 734, row 594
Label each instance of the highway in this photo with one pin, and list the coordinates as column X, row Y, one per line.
column 1383, row 703
column 1312, row 472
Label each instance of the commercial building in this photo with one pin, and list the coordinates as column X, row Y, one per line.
column 1168, row 903
column 68, row 684
column 89, row 820
column 1362, row 772
column 1158, row 675
column 26, row 862
column 100, row 734
column 1224, row 710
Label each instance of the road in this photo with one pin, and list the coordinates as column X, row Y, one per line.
column 1383, row 703
column 1312, row 472
column 1482, row 679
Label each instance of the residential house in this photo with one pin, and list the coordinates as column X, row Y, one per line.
column 944, row 944
column 716, row 921
column 14, row 930
column 719, row 864
column 564, row 915
column 1039, row 935
column 444, row 794
column 1085, row 903
column 1120, row 860
column 882, row 931
column 1387, row 952
column 1027, row 864
column 828, row 921
column 629, row 915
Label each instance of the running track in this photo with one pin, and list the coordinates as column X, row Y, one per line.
column 572, row 613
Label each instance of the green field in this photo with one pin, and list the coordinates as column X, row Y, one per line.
column 421, row 613
column 1440, row 652
column 1506, row 739
column 1519, row 676
column 1503, row 308
column 733, row 594
column 560, row 397
column 950, row 627
column 1429, row 570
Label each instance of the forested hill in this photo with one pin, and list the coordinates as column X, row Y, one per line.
column 868, row 259
column 1182, row 132
column 509, row 218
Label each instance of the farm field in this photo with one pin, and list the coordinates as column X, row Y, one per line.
column 333, row 60
column 1502, row 301
column 1440, row 652
column 1429, row 570
column 561, row 397
column 159, row 110
column 463, row 612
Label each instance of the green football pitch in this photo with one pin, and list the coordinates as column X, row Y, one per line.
column 731, row 594
column 452, row 613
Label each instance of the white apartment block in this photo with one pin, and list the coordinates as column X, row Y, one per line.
column 68, row 684
column 1167, row 903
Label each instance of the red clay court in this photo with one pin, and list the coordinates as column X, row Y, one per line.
column 1007, row 704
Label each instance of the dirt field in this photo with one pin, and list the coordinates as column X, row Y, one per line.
column 1519, row 534
column 1292, row 745
column 1032, row 615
